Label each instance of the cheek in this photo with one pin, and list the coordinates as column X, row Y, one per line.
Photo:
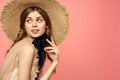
column 42, row 26
column 43, row 29
column 27, row 28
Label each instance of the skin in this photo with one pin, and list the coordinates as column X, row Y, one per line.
column 35, row 26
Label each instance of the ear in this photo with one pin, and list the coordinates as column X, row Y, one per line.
column 46, row 29
column 46, row 26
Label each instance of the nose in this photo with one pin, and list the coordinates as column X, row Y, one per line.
column 34, row 24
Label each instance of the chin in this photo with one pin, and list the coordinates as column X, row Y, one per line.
column 36, row 35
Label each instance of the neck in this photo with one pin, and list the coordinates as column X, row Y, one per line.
column 30, row 39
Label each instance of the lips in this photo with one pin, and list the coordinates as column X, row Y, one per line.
column 35, row 31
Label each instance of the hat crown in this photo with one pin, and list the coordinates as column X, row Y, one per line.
column 10, row 17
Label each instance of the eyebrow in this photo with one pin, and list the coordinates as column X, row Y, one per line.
column 37, row 17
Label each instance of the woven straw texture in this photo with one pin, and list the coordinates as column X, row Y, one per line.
column 10, row 17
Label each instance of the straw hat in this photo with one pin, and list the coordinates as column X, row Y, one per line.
column 10, row 17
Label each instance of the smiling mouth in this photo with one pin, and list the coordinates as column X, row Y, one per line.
column 35, row 31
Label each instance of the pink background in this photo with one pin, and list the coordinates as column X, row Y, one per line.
column 91, row 51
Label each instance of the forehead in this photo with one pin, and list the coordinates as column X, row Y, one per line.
column 34, row 14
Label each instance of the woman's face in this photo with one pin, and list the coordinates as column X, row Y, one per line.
column 35, row 25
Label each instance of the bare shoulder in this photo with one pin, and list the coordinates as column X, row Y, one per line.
column 26, row 56
column 27, row 47
column 27, row 50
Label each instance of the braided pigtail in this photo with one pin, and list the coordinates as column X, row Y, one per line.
column 21, row 34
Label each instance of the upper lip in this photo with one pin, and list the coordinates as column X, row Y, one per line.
column 35, row 29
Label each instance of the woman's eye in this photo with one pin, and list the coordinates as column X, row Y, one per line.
column 40, row 20
column 29, row 21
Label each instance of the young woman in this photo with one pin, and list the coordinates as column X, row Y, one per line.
column 26, row 57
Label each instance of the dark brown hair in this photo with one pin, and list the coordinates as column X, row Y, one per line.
column 22, row 33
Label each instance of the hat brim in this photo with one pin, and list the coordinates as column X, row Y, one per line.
column 10, row 17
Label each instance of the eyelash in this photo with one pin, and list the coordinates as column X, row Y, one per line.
column 28, row 20
column 39, row 20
